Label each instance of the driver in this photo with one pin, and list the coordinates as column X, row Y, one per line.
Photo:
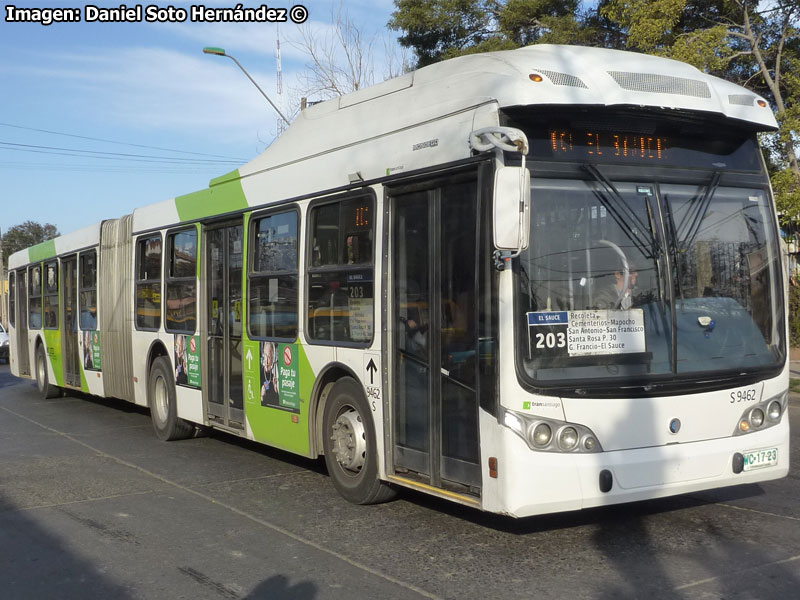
column 618, row 295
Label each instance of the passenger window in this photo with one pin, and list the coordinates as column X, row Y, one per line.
column 341, row 271
column 51, row 295
column 148, row 282
column 272, row 289
column 12, row 299
column 181, row 284
column 88, row 290
column 35, row 297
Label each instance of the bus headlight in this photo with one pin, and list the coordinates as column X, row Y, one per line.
column 568, row 438
column 774, row 411
column 538, row 433
column 541, row 435
column 762, row 416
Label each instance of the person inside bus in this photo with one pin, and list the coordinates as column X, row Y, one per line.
column 617, row 295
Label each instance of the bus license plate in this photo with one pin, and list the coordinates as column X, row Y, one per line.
column 756, row 459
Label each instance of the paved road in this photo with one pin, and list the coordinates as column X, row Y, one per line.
column 93, row 506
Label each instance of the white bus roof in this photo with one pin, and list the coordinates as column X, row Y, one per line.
column 311, row 154
column 63, row 244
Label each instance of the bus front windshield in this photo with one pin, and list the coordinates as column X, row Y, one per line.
column 641, row 282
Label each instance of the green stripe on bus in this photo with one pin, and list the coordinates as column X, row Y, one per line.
column 220, row 199
column 42, row 251
column 52, row 338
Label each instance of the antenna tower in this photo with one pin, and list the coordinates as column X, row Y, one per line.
column 279, row 80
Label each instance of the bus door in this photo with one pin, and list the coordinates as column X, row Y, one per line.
column 69, row 317
column 224, row 317
column 24, row 359
column 435, row 351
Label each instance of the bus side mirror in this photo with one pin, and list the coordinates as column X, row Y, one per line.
column 512, row 208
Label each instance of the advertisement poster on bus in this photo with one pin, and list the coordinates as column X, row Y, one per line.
column 92, row 355
column 279, row 387
column 187, row 361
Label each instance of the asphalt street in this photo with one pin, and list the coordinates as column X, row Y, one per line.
column 92, row 505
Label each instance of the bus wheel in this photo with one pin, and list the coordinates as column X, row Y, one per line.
column 42, row 380
column 348, row 439
column 163, row 404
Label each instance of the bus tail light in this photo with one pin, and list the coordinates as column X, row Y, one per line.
column 493, row 467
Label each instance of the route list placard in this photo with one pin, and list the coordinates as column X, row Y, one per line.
column 586, row 332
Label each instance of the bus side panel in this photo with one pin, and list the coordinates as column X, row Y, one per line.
column 53, row 349
column 114, row 298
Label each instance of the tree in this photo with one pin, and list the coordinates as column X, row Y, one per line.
column 760, row 49
column 732, row 39
column 342, row 58
column 441, row 29
column 23, row 236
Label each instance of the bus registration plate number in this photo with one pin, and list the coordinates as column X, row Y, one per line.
column 756, row 459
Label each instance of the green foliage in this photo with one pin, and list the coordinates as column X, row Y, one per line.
column 749, row 43
column 650, row 25
column 786, row 187
column 794, row 316
column 23, row 236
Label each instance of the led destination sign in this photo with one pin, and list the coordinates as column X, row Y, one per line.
column 584, row 144
column 623, row 137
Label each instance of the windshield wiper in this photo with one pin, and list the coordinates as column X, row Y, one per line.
column 672, row 237
column 628, row 216
column 699, row 213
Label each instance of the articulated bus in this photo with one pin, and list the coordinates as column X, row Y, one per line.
column 526, row 281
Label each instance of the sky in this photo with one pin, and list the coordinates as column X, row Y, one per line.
column 98, row 118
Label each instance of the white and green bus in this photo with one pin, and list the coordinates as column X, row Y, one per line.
column 527, row 281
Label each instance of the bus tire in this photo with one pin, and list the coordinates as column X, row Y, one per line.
column 163, row 403
column 46, row 389
column 348, row 439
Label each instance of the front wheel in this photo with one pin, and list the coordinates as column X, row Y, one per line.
column 350, row 446
column 46, row 389
column 163, row 403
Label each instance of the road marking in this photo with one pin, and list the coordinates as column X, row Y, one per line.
column 760, row 512
column 227, row 481
column 85, row 500
column 756, row 568
column 237, row 511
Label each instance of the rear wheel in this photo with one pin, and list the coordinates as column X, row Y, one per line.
column 350, row 446
column 163, row 404
column 46, row 389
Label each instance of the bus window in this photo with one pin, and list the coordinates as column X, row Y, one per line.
column 341, row 274
column 88, row 290
column 148, row 283
column 272, row 288
column 35, row 297
column 181, row 283
column 12, row 298
column 51, row 295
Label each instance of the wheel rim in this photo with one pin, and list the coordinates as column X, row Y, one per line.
column 40, row 372
column 161, row 400
column 349, row 440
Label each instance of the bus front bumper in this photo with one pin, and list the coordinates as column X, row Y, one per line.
column 531, row 483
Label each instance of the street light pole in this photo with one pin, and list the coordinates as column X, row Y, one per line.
column 221, row 52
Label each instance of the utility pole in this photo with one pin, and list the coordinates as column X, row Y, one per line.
column 3, row 288
column 279, row 80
